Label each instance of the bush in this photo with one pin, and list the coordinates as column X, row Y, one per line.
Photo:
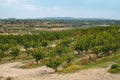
column 37, row 55
column 93, row 58
column 53, row 63
column 44, row 43
column 1, row 56
column 59, row 51
column 72, row 67
column 29, row 52
column 69, row 58
column 116, row 70
column 14, row 52
column 84, row 61
column 114, row 66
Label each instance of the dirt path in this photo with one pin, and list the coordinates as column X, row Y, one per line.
column 8, row 70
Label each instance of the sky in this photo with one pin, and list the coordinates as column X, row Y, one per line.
column 60, row 8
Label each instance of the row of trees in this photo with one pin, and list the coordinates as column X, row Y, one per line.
column 102, row 41
column 53, row 58
column 99, row 43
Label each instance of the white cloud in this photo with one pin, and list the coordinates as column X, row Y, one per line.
column 30, row 7
column 21, row 4
column 54, row 9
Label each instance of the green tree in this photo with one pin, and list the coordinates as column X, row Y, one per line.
column 114, row 46
column 106, row 47
column 14, row 51
column 80, row 45
column 97, row 50
column 2, row 55
column 66, row 42
column 69, row 58
column 50, row 37
column 44, row 43
column 59, row 51
column 29, row 52
column 37, row 55
column 53, row 63
column 99, row 40
column 4, row 47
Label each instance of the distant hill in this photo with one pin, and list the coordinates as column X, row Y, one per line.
column 60, row 18
column 71, row 18
column 63, row 18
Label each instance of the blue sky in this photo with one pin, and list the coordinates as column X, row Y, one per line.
column 60, row 8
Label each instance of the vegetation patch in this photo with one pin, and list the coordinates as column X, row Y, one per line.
column 74, row 49
column 115, row 68
column 103, row 62
column 30, row 66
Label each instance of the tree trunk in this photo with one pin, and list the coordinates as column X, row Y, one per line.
column 55, row 69
column 0, row 60
column 114, row 51
column 14, row 58
column 37, row 61
column 79, row 52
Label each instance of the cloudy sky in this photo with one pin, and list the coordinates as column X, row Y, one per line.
column 60, row 8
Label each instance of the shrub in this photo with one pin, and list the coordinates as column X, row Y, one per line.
column 84, row 61
column 92, row 58
column 29, row 52
column 59, row 51
column 14, row 52
column 53, row 63
column 69, row 58
column 72, row 67
column 1, row 56
column 37, row 55
column 44, row 43
column 114, row 66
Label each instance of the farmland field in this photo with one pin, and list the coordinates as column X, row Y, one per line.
column 59, row 39
column 30, row 50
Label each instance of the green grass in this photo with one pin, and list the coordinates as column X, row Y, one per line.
column 20, row 58
column 30, row 66
column 102, row 62
column 115, row 68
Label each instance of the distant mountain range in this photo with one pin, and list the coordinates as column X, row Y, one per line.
column 63, row 18
column 71, row 18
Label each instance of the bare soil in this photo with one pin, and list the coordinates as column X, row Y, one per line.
column 9, row 72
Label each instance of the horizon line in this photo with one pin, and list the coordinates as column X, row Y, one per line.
column 63, row 17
